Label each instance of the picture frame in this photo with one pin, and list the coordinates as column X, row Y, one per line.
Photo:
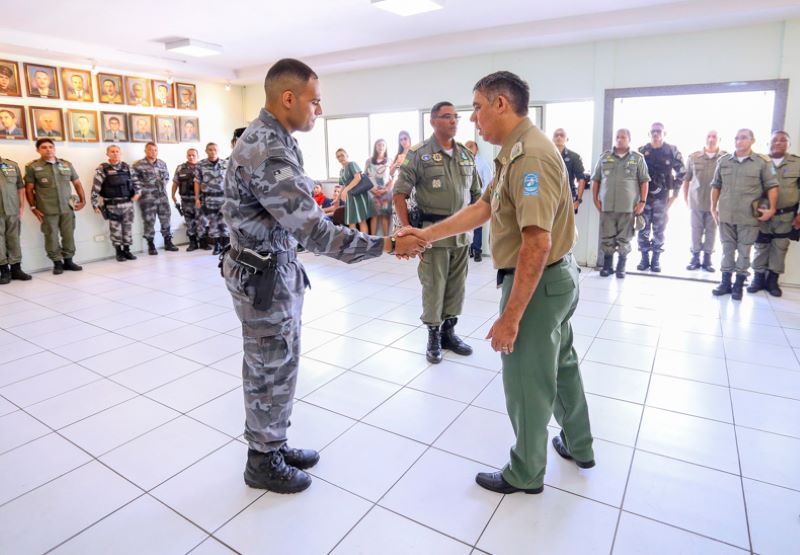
column 114, row 127
column 110, row 88
column 42, row 81
column 167, row 129
column 186, row 96
column 137, row 91
column 141, row 128
column 77, row 84
column 13, row 126
column 190, row 129
column 83, row 126
column 9, row 79
column 163, row 94
column 47, row 123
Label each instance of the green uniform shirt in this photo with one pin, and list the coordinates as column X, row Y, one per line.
column 700, row 170
column 740, row 184
column 52, row 184
column 442, row 184
column 531, row 189
column 10, row 183
column 788, row 174
column 620, row 177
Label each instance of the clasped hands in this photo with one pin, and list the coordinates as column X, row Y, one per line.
column 410, row 242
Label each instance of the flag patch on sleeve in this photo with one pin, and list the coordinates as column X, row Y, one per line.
column 530, row 184
column 283, row 174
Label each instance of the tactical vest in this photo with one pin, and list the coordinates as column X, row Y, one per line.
column 117, row 183
column 186, row 180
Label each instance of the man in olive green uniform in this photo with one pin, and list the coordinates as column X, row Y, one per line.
column 619, row 189
column 696, row 187
column 47, row 186
column 533, row 233
column 442, row 174
column 12, row 193
column 740, row 180
column 773, row 240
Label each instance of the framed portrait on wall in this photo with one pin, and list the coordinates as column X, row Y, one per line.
column 141, row 128
column 12, row 123
column 190, row 129
column 137, row 91
column 187, row 96
column 9, row 79
column 47, row 122
column 166, row 129
column 77, row 84
column 110, row 88
column 83, row 126
column 114, row 126
column 163, row 94
column 42, row 81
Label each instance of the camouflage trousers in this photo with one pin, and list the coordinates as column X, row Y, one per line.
column 152, row 205
column 772, row 256
column 655, row 219
column 192, row 217
column 213, row 217
column 704, row 231
column 443, row 274
column 736, row 240
column 59, row 235
column 271, row 344
column 10, row 252
column 616, row 232
column 121, row 230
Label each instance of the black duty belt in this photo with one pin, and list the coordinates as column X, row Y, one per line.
column 113, row 201
column 214, row 194
column 786, row 210
column 503, row 272
column 433, row 218
column 261, row 261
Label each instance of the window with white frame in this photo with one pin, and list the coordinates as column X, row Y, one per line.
column 387, row 126
column 351, row 134
column 312, row 145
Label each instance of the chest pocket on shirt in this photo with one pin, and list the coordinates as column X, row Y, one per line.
column 467, row 171
column 434, row 175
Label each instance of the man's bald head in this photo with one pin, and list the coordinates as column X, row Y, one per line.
column 287, row 75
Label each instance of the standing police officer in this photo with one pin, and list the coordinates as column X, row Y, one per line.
column 533, row 233
column 47, row 186
column 12, row 194
column 269, row 208
column 574, row 164
column 773, row 239
column 665, row 165
column 114, row 187
column 697, row 193
column 186, row 184
column 150, row 176
column 441, row 172
column 741, row 180
column 211, row 175
column 619, row 190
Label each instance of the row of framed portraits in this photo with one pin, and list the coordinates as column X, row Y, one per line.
column 84, row 126
column 43, row 82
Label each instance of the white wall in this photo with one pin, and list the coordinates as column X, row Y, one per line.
column 219, row 112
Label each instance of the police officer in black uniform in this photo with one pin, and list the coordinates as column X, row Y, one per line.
column 574, row 164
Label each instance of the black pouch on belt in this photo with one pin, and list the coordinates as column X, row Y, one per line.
column 263, row 284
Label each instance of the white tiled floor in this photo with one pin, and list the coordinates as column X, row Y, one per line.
column 121, row 420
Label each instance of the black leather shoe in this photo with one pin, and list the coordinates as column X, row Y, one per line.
column 478, row 257
column 451, row 341
column 299, row 458
column 433, row 352
column 561, row 449
column 494, row 481
column 270, row 472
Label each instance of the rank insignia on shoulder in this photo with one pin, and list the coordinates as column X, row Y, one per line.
column 530, row 184
column 516, row 150
column 436, row 183
column 437, row 157
column 426, row 157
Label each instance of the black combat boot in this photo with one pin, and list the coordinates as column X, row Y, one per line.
column 217, row 246
column 71, row 266
column 269, row 471
column 707, row 263
column 203, row 243
column 451, row 341
column 151, row 247
column 655, row 266
column 724, row 287
column 772, row 286
column 759, row 282
column 17, row 273
column 58, row 267
column 434, row 350
column 5, row 274
column 737, row 290
column 192, row 243
column 168, row 244
column 621, row 266
column 299, row 458
column 120, row 256
column 608, row 261
column 694, row 263
column 478, row 256
column 126, row 252
column 645, row 263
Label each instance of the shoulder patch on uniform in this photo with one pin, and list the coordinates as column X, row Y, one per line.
column 424, row 158
column 765, row 158
column 516, row 151
column 530, row 184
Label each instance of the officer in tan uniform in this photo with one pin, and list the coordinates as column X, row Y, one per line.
column 12, row 193
column 773, row 240
column 533, row 233
column 442, row 174
column 740, row 180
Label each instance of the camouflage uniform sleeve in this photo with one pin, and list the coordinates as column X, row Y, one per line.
column 175, row 175
column 136, row 179
column 769, row 178
column 166, row 173
column 137, row 187
column 680, row 170
column 408, row 175
column 97, row 183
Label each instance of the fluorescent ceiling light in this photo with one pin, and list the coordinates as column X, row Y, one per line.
column 194, row 48
column 408, row 7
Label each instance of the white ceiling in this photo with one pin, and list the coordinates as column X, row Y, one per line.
column 340, row 35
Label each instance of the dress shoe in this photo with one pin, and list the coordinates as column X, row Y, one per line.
column 494, row 481
column 299, row 458
column 269, row 471
column 561, row 448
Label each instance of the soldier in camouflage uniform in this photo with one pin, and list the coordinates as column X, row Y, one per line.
column 113, row 195
column 12, row 194
column 269, row 209
column 211, row 175
column 150, row 177
column 665, row 166
column 185, row 182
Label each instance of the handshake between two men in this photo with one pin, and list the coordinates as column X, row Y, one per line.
column 407, row 242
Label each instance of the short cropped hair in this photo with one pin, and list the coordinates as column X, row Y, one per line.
column 748, row 131
column 626, row 131
column 150, row 143
column 509, row 85
column 438, row 107
column 782, row 132
column 211, row 144
column 43, row 140
column 287, row 69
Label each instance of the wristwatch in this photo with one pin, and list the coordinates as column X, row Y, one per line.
column 394, row 245
column 580, row 200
